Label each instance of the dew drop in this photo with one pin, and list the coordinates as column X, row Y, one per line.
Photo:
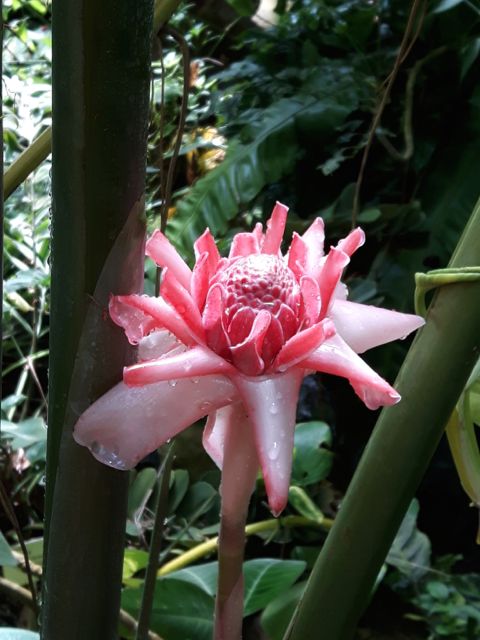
column 205, row 406
column 195, row 380
column 274, row 451
column 274, row 408
column 172, row 383
column 108, row 456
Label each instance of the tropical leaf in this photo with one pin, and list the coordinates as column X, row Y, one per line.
column 267, row 151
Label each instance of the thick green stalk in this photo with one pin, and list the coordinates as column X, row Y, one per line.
column 430, row 382
column 101, row 79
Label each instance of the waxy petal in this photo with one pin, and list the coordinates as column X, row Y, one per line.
column 364, row 326
column 200, row 281
column 246, row 356
column 297, row 256
column 164, row 254
column 311, row 301
column 139, row 315
column 180, row 299
column 271, row 404
column 243, row 244
column 302, row 344
column 212, row 319
column 352, row 242
column 206, row 244
column 330, row 275
column 314, row 238
column 158, row 344
column 334, row 356
column 197, row 361
column 127, row 423
column 275, row 228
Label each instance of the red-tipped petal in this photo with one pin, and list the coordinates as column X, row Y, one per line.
column 240, row 324
column 127, row 423
column 311, row 301
column 164, row 254
column 330, row 275
column 275, row 228
column 302, row 344
column 180, row 299
column 364, row 326
column 271, row 404
column 246, row 356
column 314, row 238
column 352, row 242
column 197, row 361
column 139, row 315
column 334, row 356
column 206, row 244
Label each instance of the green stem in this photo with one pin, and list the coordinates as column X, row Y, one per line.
column 430, row 382
column 27, row 161
column 101, row 80
column 155, row 546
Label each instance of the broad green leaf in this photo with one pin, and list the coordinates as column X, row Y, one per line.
column 199, row 499
column 203, row 576
column 181, row 610
column 29, row 434
column 6, row 556
column 311, row 460
column 266, row 578
column 278, row 613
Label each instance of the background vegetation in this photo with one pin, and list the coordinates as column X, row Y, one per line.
column 280, row 108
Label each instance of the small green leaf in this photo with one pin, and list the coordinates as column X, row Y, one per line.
column 311, row 460
column 180, row 481
column 369, row 215
column 6, row 556
column 302, row 503
column 134, row 560
column 410, row 550
column 140, row 491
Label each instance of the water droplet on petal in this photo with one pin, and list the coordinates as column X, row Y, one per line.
column 274, row 451
column 205, row 406
column 195, row 380
column 279, row 395
column 274, row 408
column 172, row 383
column 107, row 456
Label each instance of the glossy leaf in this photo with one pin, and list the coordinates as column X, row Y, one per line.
column 312, row 461
column 6, row 556
column 181, row 610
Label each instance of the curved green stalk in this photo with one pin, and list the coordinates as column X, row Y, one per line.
column 430, row 382
column 264, row 526
column 101, row 81
column 27, row 161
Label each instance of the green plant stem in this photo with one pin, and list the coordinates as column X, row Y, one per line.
column 264, row 526
column 155, row 546
column 430, row 382
column 27, row 161
column 101, row 80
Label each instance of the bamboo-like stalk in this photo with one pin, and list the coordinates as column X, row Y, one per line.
column 101, row 74
column 27, row 162
column 430, row 382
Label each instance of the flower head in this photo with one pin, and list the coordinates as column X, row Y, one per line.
column 240, row 332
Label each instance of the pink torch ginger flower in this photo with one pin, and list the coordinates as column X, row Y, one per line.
column 232, row 339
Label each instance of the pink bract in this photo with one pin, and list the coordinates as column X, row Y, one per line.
column 239, row 331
